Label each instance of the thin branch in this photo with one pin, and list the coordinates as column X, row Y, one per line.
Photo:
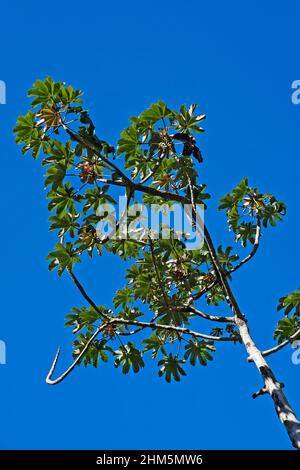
column 262, row 391
column 158, row 275
column 205, row 289
column 127, row 181
column 178, row 329
column 74, row 364
column 145, row 189
column 132, row 332
column 239, row 265
column 254, row 249
column 210, row 317
column 123, row 321
column 156, row 166
column 123, row 184
column 89, row 145
column 159, row 193
column 86, row 296
column 280, row 346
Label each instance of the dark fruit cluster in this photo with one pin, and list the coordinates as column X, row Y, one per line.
column 87, row 174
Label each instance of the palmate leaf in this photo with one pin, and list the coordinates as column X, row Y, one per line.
column 59, row 153
column 129, row 143
column 187, row 121
column 123, row 297
column 29, row 134
column 286, row 328
column 94, row 197
column 83, row 317
column 155, row 343
column 97, row 351
column 156, row 112
column 290, row 302
column 55, row 176
column 25, row 128
column 171, row 367
column 215, row 295
column 61, row 199
column 50, row 117
column 246, row 201
column 198, row 350
column 226, row 258
column 63, row 257
column 129, row 313
column 66, row 223
column 172, row 317
column 44, row 91
column 48, row 91
column 129, row 357
column 245, row 233
column 126, row 249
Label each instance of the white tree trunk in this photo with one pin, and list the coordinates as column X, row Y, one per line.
column 271, row 386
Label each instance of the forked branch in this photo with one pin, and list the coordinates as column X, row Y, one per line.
column 280, row 346
column 123, row 321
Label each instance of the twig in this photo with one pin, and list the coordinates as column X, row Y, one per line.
column 158, row 276
column 253, row 252
column 262, row 391
column 85, row 295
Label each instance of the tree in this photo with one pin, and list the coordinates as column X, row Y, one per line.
column 155, row 163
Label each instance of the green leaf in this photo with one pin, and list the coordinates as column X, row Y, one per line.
column 97, row 351
column 156, row 112
column 198, row 350
column 245, row 202
column 29, row 134
column 63, row 257
column 129, row 357
column 187, row 121
column 123, row 297
column 171, row 368
column 83, row 317
column 155, row 343
column 290, row 302
column 286, row 328
column 129, row 142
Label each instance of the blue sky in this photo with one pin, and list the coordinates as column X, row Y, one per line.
column 237, row 60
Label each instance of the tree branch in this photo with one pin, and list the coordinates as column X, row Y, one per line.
column 210, row 317
column 86, row 296
column 73, row 365
column 123, row 321
column 239, row 265
column 254, row 249
column 178, row 329
column 158, row 275
column 127, row 181
column 88, row 145
column 280, row 346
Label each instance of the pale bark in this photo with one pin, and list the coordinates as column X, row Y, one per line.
column 271, row 386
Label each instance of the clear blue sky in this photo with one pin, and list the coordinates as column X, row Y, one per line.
column 237, row 60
